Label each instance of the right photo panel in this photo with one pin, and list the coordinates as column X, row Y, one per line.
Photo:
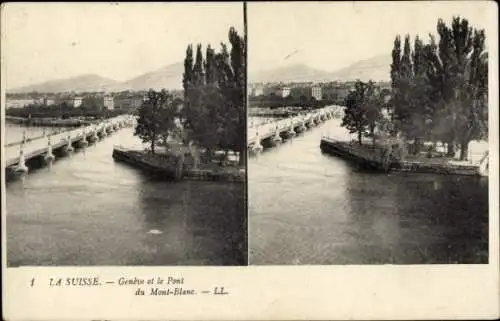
column 367, row 133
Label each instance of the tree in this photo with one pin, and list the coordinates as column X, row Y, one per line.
column 472, row 118
column 156, row 117
column 431, row 79
column 373, row 103
column 384, row 123
column 238, row 112
column 403, row 108
column 215, row 116
column 354, row 118
column 198, row 73
column 226, row 112
column 215, row 121
column 192, row 84
column 187, row 80
column 439, row 91
column 395, row 76
column 463, row 70
column 418, row 96
column 210, row 66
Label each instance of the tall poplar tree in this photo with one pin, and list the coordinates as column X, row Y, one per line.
column 198, row 72
column 433, row 95
column 238, row 114
column 447, row 70
column 216, row 117
column 403, row 109
column 187, row 83
column 472, row 119
column 418, row 96
column 395, row 79
column 194, row 114
column 462, row 68
column 439, row 90
column 210, row 66
column 187, row 77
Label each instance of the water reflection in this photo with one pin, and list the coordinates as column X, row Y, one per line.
column 197, row 226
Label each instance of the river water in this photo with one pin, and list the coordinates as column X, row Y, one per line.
column 89, row 210
column 14, row 132
column 306, row 207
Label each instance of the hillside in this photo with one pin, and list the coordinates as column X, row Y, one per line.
column 90, row 82
column 290, row 73
column 376, row 68
column 168, row 77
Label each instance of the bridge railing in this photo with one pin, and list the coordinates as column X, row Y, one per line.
column 67, row 130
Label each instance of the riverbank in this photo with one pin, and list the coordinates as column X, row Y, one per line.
column 177, row 166
column 47, row 122
column 373, row 158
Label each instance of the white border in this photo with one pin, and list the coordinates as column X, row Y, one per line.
column 294, row 292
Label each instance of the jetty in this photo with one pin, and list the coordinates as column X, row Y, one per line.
column 363, row 157
column 374, row 158
column 176, row 167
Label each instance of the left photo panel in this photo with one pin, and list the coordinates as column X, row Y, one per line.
column 124, row 134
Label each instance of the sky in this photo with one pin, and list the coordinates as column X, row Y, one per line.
column 330, row 36
column 49, row 41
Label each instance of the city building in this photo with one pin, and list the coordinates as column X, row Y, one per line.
column 77, row 101
column 280, row 91
column 316, row 92
column 69, row 101
column 308, row 92
column 46, row 101
column 108, row 102
column 270, row 91
column 18, row 103
column 128, row 102
column 256, row 90
column 335, row 92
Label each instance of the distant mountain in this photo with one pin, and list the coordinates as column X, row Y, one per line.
column 168, row 77
column 376, row 68
column 290, row 73
column 90, row 82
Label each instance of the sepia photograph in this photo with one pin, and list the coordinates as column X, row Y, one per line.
column 124, row 134
column 260, row 160
column 368, row 133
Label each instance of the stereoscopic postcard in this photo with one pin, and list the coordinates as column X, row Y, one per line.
column 250, row 160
